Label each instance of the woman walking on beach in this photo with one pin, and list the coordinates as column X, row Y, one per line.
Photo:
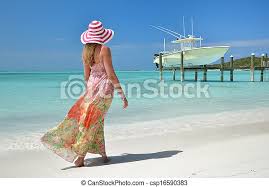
column 82, row 130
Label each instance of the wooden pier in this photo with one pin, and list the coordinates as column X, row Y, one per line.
column 222, row 67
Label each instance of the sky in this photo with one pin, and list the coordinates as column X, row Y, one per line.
column 44, row 35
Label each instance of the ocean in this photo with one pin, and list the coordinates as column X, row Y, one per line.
column 31, row 103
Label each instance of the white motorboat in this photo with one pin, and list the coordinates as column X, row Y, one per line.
column 193, row 52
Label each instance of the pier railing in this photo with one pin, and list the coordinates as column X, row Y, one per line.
column 222, row 67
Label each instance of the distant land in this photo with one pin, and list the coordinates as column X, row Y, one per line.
column 241, row 62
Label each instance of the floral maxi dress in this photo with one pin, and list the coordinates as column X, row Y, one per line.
column 82, row 130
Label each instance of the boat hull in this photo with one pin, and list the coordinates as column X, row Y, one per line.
column 193, row 57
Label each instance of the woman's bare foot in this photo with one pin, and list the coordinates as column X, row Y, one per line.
column 80, row 161
column 105, row 159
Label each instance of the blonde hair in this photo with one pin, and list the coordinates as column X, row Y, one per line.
column 88, row 53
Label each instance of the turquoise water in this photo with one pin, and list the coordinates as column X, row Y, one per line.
column 32, row 101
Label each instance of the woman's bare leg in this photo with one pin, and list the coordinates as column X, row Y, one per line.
column 80, row 161
column 105, row 158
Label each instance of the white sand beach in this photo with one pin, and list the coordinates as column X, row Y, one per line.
column 239, row 150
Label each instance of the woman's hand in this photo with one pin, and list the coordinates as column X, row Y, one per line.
column 125, row 103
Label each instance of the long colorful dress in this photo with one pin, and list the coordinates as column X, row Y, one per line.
column 82, row 130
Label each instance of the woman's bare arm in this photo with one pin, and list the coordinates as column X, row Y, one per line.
column 106, row 54
column 107, row 59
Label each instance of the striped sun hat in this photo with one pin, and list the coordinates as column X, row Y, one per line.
column 96, row 33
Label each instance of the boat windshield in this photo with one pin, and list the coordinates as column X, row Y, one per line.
column 188, row 43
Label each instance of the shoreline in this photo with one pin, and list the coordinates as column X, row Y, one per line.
column 30, row 140
column 223, row 151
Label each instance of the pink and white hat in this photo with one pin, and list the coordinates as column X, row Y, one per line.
column 96, row 33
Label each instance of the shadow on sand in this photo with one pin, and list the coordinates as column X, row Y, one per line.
column 124, row 158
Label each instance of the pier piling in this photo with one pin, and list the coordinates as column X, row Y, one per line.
column 252, row 67
column 204, row 73
column 195, row 74
column 262, row 66
column 266, row 60
column 161, row 65
column 182, row 67
column 231, row 68
column 221, row 68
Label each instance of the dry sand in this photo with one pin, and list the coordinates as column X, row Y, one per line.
column 220, row 151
